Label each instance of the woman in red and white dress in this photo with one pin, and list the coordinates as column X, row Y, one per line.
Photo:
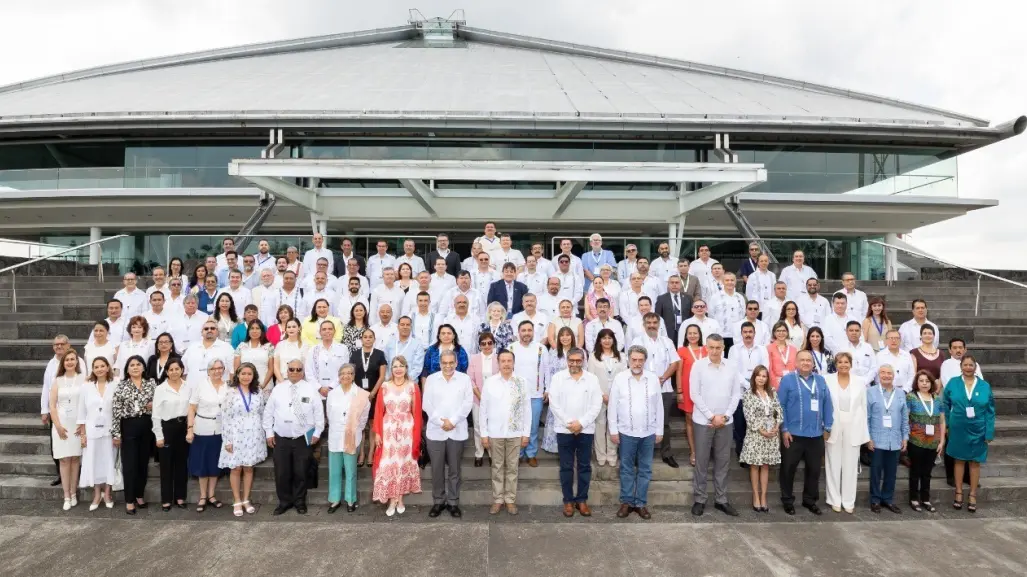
column 397, row 439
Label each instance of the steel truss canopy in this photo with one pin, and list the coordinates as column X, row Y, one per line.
column 567, row 201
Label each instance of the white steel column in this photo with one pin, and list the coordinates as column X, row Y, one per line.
column 891, row 258
column 672, row 235
column 94, row 251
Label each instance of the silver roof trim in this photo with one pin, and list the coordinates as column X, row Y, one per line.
column 476, row 34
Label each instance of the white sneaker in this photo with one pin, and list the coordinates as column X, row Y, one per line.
column 388, row 512
column 74, row 501
column 67, row 504
column 401, row 509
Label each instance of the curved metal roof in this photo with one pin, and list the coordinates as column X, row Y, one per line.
column 488, row 76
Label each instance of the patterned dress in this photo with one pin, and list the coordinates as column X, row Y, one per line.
column 241, row 426
column 757, row 449
column 397, row 473
column 503, row 335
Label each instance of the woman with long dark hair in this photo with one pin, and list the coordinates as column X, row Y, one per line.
column 761, row 447
column 176, row 270
column 242, row 435
column 823, row 360
column 354, row 329
column 225, row 316
column 257, row 351
column 157, row 366
column 969, row 404
column 565, row 341
column 276, row 332
column 605, row 363
column 926, row 438
column 66, row 436
column 796, row 330
column 446, row 340
column 130, row 429
column 199, row 279
column 877, row 324
column 691, row 351
column 98, row 452
column 170, row 413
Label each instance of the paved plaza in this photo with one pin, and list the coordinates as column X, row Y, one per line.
column 37, row 539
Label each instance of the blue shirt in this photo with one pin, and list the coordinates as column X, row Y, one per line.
column 887, row 438
column 222, row 275
column 413, row 351
column 590, row 262
column 796, row 407
column 239, row 333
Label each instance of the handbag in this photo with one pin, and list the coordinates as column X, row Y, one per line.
column 118, row 482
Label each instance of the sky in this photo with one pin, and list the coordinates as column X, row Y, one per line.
column 956, row 55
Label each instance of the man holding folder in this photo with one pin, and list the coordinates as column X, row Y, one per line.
column 293, row 421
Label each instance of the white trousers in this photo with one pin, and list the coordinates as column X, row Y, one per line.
column 842, row 465
column 479, row 451
column 605, row 450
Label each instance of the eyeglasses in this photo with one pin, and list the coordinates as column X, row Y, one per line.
column 632, row 250
column 292, row 370
column 209, row 329
column 698, row 306
column 752, row 308
column 483, row 343
column 216, row 369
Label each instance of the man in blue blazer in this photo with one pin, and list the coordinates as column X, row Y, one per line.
column 808, row 418
column 508, row 292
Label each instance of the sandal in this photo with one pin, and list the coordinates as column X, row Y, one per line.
column 971, row 507
column 915, row 505
column 691, row 459
column 250, row 509
column 201, row 505
column 929, row 507
column 215, row 503
column 237, row 509
column 957, row 503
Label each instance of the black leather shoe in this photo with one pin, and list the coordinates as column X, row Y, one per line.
column 281, row 509
column 893, row 508
column 726, row 508
column 165, row 508
column 455, row 512
column 697, row 509
column 814, row 509
column 182, row 505
column 671, row 462
column 351, row 508
column 334, row 507
column 57, row 481
column 875, row 508
column 436, row 510
column 478, row 462
column 789, row 509
column 130, row 511
column 301, row 509
column 141, row 505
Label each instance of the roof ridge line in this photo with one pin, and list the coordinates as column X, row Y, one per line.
column 516, row 40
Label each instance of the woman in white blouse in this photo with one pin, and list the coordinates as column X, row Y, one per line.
column 65, row 396
column 289, row 349
column 101, row 346
column 204, row 432
column 225, row 316
column 610, row 283
column 796, row 330
column 348, row 408
column 170, row 412
column 260, row 353
column 605, row 363
column 849, row 400
column 98, row 452
column 138, row 343
column 567, row 319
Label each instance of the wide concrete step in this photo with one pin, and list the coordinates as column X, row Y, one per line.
column 75, row 329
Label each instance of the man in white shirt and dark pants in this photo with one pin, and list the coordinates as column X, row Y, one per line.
column 293, row 420
column 448, row 398
column 506, row 421
column 634, row 416
column 575, row 400
column 715, row 392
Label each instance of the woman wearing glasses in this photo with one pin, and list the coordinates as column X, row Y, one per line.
column 130, row 428
column 204, row 432
column 482, row 365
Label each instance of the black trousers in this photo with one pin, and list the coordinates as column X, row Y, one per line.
column 136, row 436
column 174, row 461
column 921, row 463
column 728, row 343
column 808, row 450
column 669, row 403
column 739, row 432
column 49, row 437
column 291, row 458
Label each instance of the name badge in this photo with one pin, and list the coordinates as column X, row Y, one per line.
column 970, row 413
column 305, row 400
column 929, row 430
column 326, row 379
column 210, row 308
column 677, row 319
column 887, row 421
column 595, row 271
column 814, row 405
column 364, row 384
column 880, row 344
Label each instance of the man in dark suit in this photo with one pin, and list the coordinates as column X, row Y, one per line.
column 508, row 292
column 442, row 251
column 673, row 307
column 339, row 266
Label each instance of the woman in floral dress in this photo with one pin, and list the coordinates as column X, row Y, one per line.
column 242, row 435
column 761, row 447
column 397, row 439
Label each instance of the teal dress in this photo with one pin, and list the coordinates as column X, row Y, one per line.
column 968, row 436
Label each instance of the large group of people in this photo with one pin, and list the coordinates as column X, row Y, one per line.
column 397, row 363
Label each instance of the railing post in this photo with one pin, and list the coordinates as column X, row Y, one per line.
column 14, row 293
column 977, row 302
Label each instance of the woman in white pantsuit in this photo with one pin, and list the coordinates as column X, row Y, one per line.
column 850, row 431
column 605, row 364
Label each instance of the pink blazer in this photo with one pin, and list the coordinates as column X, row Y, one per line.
column 474, row 371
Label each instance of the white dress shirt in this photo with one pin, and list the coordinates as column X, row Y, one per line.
column 573, row 399
column 344, row 305
column 707, row 325
column 744, row 360
column 409, row 305
column 635, row 407
column 416, row 263
column 531, row 363
column 625, row 269
column 376, row 265
column 382, row 295
column 159, row 323
column 901, row 363
column 833, row 326
column 595, row 325
column 796, row 279
column 337, row 411
column 502, row 257
column 505, row 408
column 628, row 302
column 169, row 404
column 466, row 331
column 714, row 390
column 451, row 400
column 540, row 321
column 284, row 419
column 663, row 268
column 636, row 329
column 311, row 257
column 550, row 304
column 425, row 328
column 240, row 298
column 188, row 329
column 950, row 370
column 857, row 304
column 132, row 303
column 572, row 286
column 536, row 281
column 662, row 355
column 727, row 308
column 95, row 410
column 475, row 303
column 813, row 311
column 278, row 297
column 322, row 364
column 909, row 331
column 772, row 310
column 128, row 349
column 341, row 285
column 864, row 359
column 760, row 286
column 703, row 271
column 198, row 357
column 118, row 331
column 384, row 333
column 312, row 295
column 481, row 281
column 762, row 332
column 208, row 401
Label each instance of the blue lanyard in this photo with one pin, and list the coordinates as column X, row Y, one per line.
column 246, row 399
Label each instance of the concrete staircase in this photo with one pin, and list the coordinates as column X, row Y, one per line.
column 51, row 305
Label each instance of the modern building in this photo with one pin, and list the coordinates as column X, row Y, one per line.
column 438, row 126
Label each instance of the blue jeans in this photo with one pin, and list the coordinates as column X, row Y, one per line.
column 883, row 467
column 636, row 469
column 575, row 447
column 536, row 413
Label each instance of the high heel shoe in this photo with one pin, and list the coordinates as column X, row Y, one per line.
column 957, row 502
column 971, row 506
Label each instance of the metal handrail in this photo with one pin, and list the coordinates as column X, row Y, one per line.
column 979, row 273
column 11, row 269
column 299, row 238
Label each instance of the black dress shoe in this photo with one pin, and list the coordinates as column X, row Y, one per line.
column 697, row 509
column 671, row 462
column 789, row 509
column 454, row 511
column 130, row 511
column 478, row 462
column 141, row 505
column 301, row 509
column 57, row 481
column 182, row 505
column 334, row 507
column 351, row 508
column 743, row 465
column 436, row 510
column 281, row 509
column 814, row 509
column 764, row 510
column 893, row 508
column 875, row 508
column 726, row 508
column 165, row 508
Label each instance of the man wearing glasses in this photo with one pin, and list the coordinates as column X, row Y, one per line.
column 199, row 355
column 707, row 325
column 293, row 421
column 575, row 400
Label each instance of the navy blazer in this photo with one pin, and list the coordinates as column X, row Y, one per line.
column 497, row 294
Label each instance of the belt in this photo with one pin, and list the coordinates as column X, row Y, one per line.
column 208, row 418
column 174, row 420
